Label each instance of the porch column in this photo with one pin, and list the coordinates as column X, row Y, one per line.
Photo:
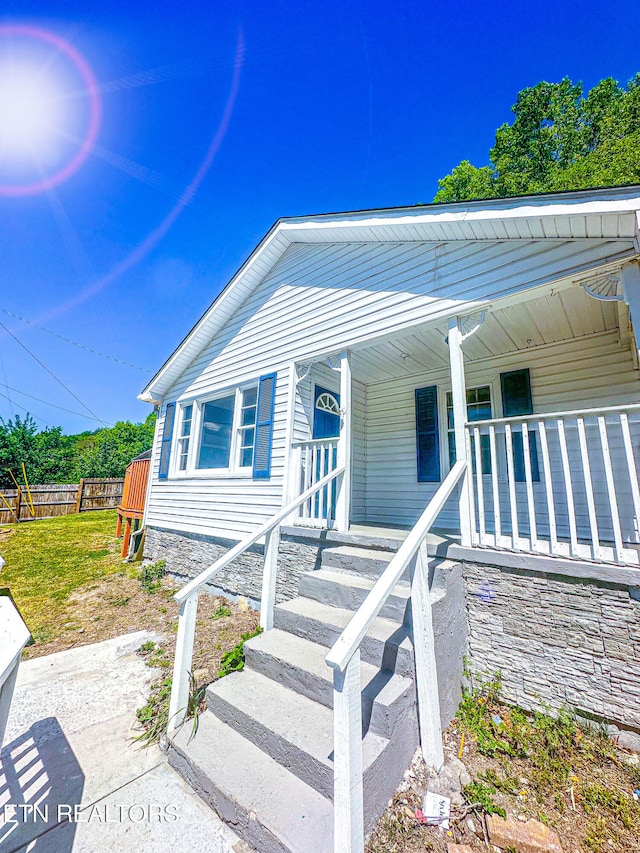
column 459, row 395
column 630, row 275
column 291, row 478
column 343, row 501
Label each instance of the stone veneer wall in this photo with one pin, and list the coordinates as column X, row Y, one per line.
column 187, row 554
column 558, row 640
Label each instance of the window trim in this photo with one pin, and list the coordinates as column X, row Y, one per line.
column 234, row 469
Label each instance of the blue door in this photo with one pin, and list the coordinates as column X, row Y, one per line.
column 326, row 424
column 326, row 413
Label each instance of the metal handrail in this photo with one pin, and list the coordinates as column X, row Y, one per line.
column 349, row 641
column 188, row 589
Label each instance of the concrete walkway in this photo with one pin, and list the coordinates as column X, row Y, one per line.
column 68, row 750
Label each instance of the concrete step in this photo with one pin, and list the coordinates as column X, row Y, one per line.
column 387, row 644
column 388, row 700
column 368, row 561
column 348, row 590
column 293, row 729
column 266, row 805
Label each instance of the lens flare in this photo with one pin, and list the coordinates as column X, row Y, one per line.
column 48, row 99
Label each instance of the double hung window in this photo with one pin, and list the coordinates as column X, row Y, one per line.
column 228, row 434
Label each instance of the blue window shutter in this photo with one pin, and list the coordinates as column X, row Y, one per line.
column 516, row 400
column 165, row 444
column 427, row 435
column 264, row 426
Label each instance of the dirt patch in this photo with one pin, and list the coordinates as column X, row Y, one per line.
column 573, row 779
column 118, row 604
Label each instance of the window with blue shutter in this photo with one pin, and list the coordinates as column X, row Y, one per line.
column 516, row 401
column 427, row 435
column 165, row 444
column 264, row 426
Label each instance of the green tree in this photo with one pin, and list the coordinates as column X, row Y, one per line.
column 560, row 139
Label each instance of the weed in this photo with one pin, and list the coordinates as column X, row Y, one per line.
column 596, row 797
column 154, row 715
column 507, row 784
column 149, row 646
column 221, row 612
column 120, row 600
column 150, row 576
column 233, row 660
column 478, row 792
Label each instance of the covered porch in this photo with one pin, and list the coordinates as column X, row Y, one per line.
column 539, row 393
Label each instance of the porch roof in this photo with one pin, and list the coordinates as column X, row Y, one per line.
column 593, row 214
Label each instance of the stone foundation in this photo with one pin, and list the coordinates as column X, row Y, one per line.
column 187, row 554
column 558, row 641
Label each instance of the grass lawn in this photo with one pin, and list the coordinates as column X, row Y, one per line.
column 46, row 560
column 72, row 588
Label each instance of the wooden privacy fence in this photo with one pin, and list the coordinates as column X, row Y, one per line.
column 61, row 499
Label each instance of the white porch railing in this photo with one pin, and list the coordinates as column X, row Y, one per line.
column 344, row 657
column 313, row 460
column 188, row 595
column 563, row 484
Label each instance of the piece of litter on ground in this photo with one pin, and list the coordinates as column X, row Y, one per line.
column 436, row 810
column 636, row 794
column 497, row 719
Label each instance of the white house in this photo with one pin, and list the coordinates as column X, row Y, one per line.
column 371, row 351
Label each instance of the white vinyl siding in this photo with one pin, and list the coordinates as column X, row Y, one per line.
column 581, row 373
column 323, row 298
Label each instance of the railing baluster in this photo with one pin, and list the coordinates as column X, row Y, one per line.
column 588, row 485
column 497, row 523
column 269, row 575
column 568, row 487
column 631, row 467
column 531, row 507
column 479, row 486
column 182, row 662
column 306, row 507
column 548, row 486
column 470, row 490
column 348, row 802
column 511, row 477
column 611, row 489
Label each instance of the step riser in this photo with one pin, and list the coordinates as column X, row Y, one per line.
column 381, row 718
column 348, row 597
column 246, row 825
column 389, row 655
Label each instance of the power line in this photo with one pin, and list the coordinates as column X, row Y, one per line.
column 75, row 343
column 33, row 414
column 50, row 372
column 47, row 403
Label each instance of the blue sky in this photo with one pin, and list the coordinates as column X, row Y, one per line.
column 302, row 108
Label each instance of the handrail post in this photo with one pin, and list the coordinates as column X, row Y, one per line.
column 425, row 658
column 343, row 502
column 459, row 396
column 183, row 661
column 269, row 575
column 348, row 798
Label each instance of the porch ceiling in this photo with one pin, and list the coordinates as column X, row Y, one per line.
column 544, row 319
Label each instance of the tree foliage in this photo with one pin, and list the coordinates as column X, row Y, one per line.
column 560, row 139
column 52, row 457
